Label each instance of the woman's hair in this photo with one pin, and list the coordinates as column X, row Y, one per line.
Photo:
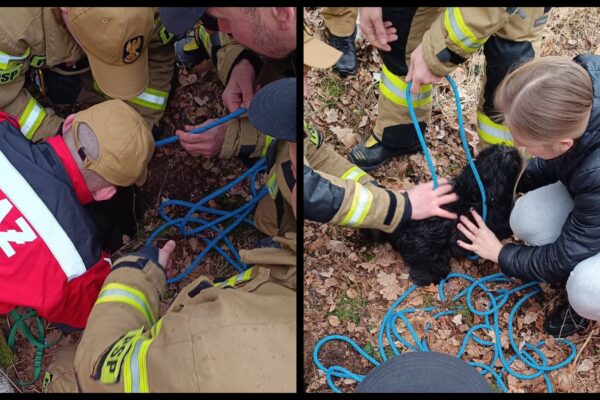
column 546, row 99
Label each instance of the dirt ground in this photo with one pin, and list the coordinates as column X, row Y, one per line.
column 350, row 281
column 173, row 174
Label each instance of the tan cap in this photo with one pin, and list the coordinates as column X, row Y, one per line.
column 318, row 54
column 125, row 143
column 116, row 41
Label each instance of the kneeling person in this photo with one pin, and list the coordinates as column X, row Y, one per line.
column 50, row 256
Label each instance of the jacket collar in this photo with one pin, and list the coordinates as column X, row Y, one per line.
column 62, row 151
column 61, row 47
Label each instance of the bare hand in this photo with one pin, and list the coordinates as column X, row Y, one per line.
column 240, row 87
column 378, row 33
column 483, row 241
column 164, row 255
column 426, row 201
column 419, row 72
column 207, row 144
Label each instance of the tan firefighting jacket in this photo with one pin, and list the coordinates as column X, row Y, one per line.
column 238, row 335
column 36, row 37
column 338, row 192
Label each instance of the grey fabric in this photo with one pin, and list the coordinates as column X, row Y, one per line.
column 5, row 386
column 539, row 215
column 583, row 288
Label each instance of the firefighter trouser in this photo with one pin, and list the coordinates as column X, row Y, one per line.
column 512, row 44
column 341, row 21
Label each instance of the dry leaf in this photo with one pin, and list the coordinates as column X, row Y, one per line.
column 585, row 365
column 345, row 135
column 333, row 320
column 457, row 319
column 391, row 289
column 351, row 293
column 331, row 115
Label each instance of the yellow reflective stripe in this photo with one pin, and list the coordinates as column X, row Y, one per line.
column 268, row 140
column 152, row 98
column 31, row 118
column 491, row 132
column 236, row 279
column 272, row 185
column 117, row 292
column 361, row 204
column 459, row 32
column 205, row 37
column 353, row 174
column 394, row 88
column 6, row 59
column 111, row 367
column 135, row 370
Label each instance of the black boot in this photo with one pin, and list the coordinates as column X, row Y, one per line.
column 396, row 141
column 347, row 64
column 563, row 321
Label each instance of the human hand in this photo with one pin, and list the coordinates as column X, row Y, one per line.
column 426, row 201
column 483, row 241
column 378, row 33
column 419, row 72
column 164, row 255
column 240, row 87
column 207, row 144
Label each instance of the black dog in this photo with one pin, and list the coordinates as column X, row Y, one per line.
column 428, row 245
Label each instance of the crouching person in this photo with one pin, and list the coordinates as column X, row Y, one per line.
column 50, row 256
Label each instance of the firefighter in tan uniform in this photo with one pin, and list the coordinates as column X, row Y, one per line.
column 128, row 53
column 431, row 43
column 245, row 60
column 341, row 34
column 340, row 193
column 238, row 335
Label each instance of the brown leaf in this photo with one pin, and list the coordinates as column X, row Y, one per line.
column 331, row 115
column 345, row 135
column 391, row 289
column 585, row 365
column 333, row 320
column 351, row 293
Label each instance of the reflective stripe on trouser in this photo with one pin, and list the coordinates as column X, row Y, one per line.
column 237, row 279
column 354, row 174
column 361, row 204
column 459, row 33
column 119, row 293
column 150, row 98
column 393, row 108
column 272, row 185
column 491, row 132
column 7, row 59
column 268, row 140
column 31, row 118
column 135, row 370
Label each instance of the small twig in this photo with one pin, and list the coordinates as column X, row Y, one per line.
column 585, row 344
column 162, row 185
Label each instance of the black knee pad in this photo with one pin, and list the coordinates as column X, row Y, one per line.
column 62, row 89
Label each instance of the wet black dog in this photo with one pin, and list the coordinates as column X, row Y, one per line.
column 428, row 245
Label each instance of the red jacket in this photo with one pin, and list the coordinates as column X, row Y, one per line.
column 50, row 259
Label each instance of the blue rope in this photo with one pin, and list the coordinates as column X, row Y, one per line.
column 464, row 142
column 238, row 215
column 204, row 128
column 498, row 298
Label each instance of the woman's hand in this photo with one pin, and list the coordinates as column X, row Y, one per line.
column 483, row 241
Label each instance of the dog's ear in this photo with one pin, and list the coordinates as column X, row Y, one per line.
column 498, row 166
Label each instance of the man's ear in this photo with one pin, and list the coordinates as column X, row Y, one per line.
column 565, row 145
column 285, row 16
column 105, row 193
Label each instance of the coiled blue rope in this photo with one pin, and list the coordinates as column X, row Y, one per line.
column 464, row 142
column 498, row 299
column 204, row 128
column 238, row 215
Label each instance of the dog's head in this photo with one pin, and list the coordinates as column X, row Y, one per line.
column 498, row 167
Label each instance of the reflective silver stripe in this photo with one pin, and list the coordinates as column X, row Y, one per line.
column 494, row 131
column 30, row 119
column 136, row 299
column 134, row 367
column 5, row 58
column 152, row 98
column 402, row 93
column 462, row 36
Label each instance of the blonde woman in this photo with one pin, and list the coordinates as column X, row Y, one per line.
column 551, row 106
